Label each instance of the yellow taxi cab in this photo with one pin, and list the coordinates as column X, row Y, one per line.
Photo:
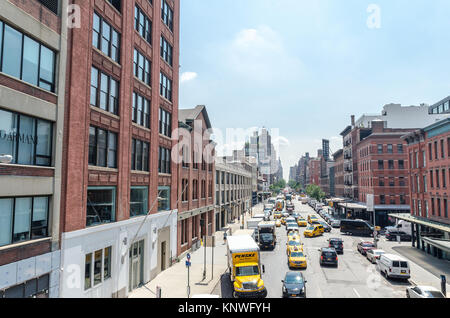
column 294, row 236
column 277, row 215
column 297, row 258
column 291, row 244
column 312, row 218
column 283, row 220
column 278, row 223
column 302, row 222
column 314, row 230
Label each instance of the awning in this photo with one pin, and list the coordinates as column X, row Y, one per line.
column 414, row 219
column 335, row 200
column 393, row 207
column 352, row 206
column 440, row 244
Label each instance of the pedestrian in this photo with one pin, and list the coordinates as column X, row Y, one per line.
column 225, row 237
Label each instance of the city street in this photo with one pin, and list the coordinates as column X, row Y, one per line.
column 355, row 277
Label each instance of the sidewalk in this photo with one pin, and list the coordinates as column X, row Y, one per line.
column 173, row 281
column 425, row 269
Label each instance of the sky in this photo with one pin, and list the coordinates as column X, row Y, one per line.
column 302, row 68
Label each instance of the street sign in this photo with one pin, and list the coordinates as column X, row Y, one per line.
column 188, row 256
column 188, row 264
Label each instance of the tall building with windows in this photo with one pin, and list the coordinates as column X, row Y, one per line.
column 32, row 102
column 195, row 179
column 121, row 106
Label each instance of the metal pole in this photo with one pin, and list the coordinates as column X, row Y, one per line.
column 204, row 268
column 212, row 258
column 189, row 286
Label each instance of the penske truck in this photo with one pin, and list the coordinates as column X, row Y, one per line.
column 244, row 266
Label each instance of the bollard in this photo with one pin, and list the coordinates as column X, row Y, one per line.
column 158, row 292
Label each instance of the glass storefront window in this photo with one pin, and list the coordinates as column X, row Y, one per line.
column 22, row 220
column 6, row 217
column 28, row 140
column 101, row 205
column 164, row 201
column 98, row 267
column 87, row 272
column 138, row 201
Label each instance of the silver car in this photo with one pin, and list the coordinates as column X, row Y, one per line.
column 336, row 223
column 423, row 292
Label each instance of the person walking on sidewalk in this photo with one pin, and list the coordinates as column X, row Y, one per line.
column 225, row 237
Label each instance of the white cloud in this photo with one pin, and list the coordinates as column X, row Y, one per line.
column 188, row 76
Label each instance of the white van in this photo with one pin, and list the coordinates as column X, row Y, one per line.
column 394, row 266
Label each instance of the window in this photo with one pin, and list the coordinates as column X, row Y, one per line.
column 381, row 182
column 142, row 24
column 430, row 153
column 445, row 208
column 380, row 149
column 425, row 188
column 164, row 160
column 184, row 232
column 194, row 189
column 432, row 206
column 23, row 219
column 435, row 150
column 28, row 140
column 102, row 148
column 382, row 199
column 166, row 51
column 26, row 59
column 185, row 156
column 424, row 158
column 391, row 164
column 106, row 38
column 431, row 178
column 203, row 189
column 400, row 148
column 165, row 87
column 164, row 201
column 140, row 154
column 104, row 91
column 390, row 149
column 142, row 67
column 97, row 267
column 442, row 149
column 437, row 179
column 417, row 160
column 165, row 122
column 380, row 164
column 391, row 182
column 401, row 164
column 402, row 199
column 101, row 205
column 438, row 202
column 115, row 4
column 138, row 201
column 140, row 110
column 185, row 189
column 444, row 181
column 167, row 14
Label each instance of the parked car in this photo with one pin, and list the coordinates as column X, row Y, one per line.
column 423, row 292
column 337, row 244
column 326, row 227
column 364, row 246
column 294, row 285
column 391, row 235
column 373, row 255
column 328, row 256
column 394, row 266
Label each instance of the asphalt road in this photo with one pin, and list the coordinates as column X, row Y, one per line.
column 354, row 277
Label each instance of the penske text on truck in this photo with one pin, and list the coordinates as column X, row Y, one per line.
column 244, row 266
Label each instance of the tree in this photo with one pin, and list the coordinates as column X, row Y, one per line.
column 315, row 192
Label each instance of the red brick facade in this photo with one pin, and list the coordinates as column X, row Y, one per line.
column 82, row 55
column 429, row 153
column 383, row 166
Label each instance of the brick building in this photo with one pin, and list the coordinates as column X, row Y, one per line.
column 121, row 107
column 382, row 164
column 314, row 171
column 429, row 169
column 195, row 179
column 32, row 101
column 339, row 173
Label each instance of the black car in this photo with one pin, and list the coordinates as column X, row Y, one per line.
column 294, row 285
column 337, row 244
column 328, row 256
column 326, row 227
column 266, row 241
column 391, row 235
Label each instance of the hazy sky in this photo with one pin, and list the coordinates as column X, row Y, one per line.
column 305, row 66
